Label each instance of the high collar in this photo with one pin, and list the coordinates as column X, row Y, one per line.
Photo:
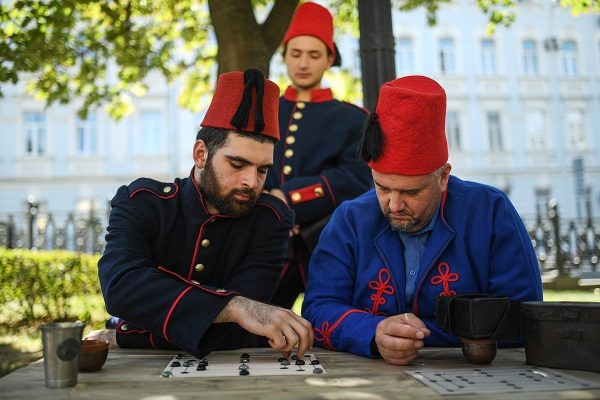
column 316, row 95
column 194, row 194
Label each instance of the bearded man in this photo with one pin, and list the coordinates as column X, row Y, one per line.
column 188, row 264
column 421, row 233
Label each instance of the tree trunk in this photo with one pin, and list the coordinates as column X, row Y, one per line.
column 242, row 42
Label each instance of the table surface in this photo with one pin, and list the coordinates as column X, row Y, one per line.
column 135, row 374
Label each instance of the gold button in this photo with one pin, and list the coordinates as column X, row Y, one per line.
column 287, row 170
column 205, row 243
column 199, row 267
column 220, row 290
column 297, row 115
column 167, row 189
column 289, row 153
column 293, row 128
column 195, row 282
column 300, row 105
column 319, row 192
column 296, row 197
column 124, row 327
column 290, row 140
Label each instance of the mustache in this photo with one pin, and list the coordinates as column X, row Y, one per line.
column 244, row 191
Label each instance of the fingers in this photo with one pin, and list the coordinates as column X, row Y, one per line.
column 398, row 326
column 293, row 331
column 398, row 341
column 412, row 320
column 109, row 335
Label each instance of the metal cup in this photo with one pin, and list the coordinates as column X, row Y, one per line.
column 62, row 343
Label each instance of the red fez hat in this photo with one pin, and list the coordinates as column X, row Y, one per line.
column 411, row 113
column 311, row 19
column 245, row 102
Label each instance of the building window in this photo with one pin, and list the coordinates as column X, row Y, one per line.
column 575, row 130
column 404, row 56
column 530, row 57
column 152, row 135
column 87, row 135
column 569, row 57
column 536, row 131
column 447, row 56
column 453, row 130
column 488, row 57
column 494, row 131
column 35, row 134
column 542, row 198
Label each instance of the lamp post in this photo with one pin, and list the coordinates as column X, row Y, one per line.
column 32, row 210
column 376, row 47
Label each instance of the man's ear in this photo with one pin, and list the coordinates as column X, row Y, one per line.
column 200, row 154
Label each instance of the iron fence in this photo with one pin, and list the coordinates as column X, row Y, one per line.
column 561, row 245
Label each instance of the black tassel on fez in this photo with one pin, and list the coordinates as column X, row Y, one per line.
column 372, row 144
column 253, row 79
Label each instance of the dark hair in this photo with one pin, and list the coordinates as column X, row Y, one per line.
column 215, row 138
column 372, row 144
column 337, row 60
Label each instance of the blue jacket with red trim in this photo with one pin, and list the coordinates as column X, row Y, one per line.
column 170, row 267
column 357, row 275
column 315, row 163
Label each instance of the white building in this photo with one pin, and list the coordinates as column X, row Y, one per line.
column 523, row 115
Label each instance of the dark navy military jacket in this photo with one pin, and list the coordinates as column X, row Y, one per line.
column 170, row 267
column 316, row 166
column 315, row 162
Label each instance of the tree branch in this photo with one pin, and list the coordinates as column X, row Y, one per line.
column 277, row 23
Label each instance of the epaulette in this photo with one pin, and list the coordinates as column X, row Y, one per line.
column 160, row 189
column 275, row 204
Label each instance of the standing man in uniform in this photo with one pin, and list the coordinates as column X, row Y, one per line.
column 387, row 255
column 315, row 166
column 189, row 264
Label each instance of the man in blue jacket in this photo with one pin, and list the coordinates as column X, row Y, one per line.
column 315, row 166
column 191, row 264
column 385, row 256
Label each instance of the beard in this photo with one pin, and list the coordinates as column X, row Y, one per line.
column 408, row 226
column 226, row 203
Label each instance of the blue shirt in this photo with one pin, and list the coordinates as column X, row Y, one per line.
column 414, row 246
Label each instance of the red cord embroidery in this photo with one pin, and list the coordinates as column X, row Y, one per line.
column 324, row 334
column 381, row 287
column 445, row 277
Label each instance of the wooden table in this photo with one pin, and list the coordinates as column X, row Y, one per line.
column 135, row 374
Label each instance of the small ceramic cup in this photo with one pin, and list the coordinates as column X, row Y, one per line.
column 93, row 355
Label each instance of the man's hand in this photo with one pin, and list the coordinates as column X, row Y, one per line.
column 400, row 337
column 110, row 335
column 281, row 326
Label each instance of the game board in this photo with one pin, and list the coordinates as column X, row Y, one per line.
column 185, row 365
column 461, row 381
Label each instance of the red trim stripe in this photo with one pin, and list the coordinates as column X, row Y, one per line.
column 156, row 194
column 187, row 289
column 330, row 190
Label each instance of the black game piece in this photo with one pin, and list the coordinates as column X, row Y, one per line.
column 300, row 362
column 285, row 361
column 244, row 372
column 201, row 367
column 175, row 364
column 315, row 362
column 282, row 359
column 203, row 363
column 245, row 355
column 178, row 356
column 317, row 371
